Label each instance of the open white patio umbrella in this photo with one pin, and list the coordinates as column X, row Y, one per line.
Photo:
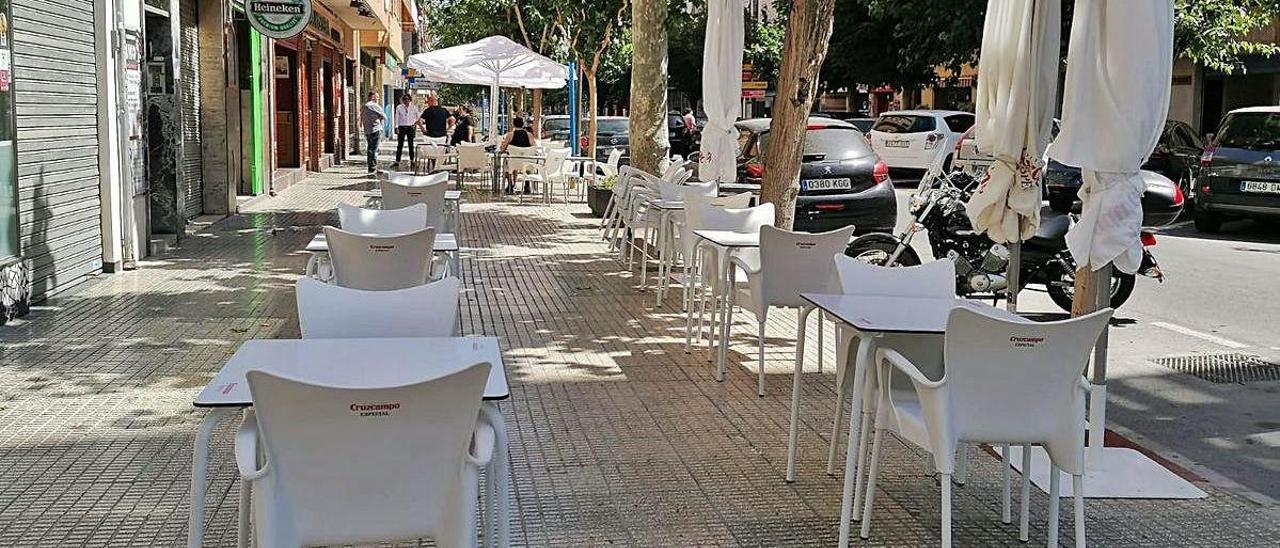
column 495, row 61
column 721, row 90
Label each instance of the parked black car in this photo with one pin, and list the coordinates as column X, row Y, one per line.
column 1176, row 156
column 842, row 181
column 611, row 132
column 1240, row 169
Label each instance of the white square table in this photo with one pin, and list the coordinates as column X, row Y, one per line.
column 445, row 243
column 349, row 362
column 872, row 316
column 725, row 242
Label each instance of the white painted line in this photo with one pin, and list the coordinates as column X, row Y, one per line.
column 1201, row 335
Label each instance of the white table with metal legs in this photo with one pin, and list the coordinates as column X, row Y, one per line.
column 335, row 361
column 725, row 242
column 871, row 317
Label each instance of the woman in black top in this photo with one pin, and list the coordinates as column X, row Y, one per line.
column 462, row 127
column 517, row 137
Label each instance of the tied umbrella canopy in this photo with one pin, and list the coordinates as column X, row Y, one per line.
column 1116, row 98
column 721, row 90
column 1017, row 80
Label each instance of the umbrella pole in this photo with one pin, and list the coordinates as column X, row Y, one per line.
column 1098, row 375
column 1012, row 275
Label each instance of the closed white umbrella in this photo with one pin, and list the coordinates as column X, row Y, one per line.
column 721, row 90
column 1017, row 81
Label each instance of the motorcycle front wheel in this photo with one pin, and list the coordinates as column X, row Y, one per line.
column 877, row 248
column 1063, row 288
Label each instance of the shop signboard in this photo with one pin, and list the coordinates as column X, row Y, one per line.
column 279, row 19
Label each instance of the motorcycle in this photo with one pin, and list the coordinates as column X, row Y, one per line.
column 938, row 207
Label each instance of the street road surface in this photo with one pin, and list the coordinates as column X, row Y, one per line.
column 1221, row 296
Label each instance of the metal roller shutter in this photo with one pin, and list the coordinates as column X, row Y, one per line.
column 192, row 174
column 56, row 98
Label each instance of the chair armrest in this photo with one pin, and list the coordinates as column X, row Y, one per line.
column 482, row 442
column 246, row 448
column 745, row 263
column 901, row 363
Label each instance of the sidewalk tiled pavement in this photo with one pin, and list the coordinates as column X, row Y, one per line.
column 618, row 437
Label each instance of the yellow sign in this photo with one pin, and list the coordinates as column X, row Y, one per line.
column 747, row 66
column 755, row 84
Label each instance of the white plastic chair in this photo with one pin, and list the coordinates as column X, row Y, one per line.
column 472, row 158
column 357, row 464
column 332, row 312
column 435, row 156
column 787, row 264
column 610, row 167
column 1005, row 382
column 517, row 166
column 431, row 192
column 547, row 173
column 383, row 222
column 934, row 279
column 380, row 263
column 704, row 216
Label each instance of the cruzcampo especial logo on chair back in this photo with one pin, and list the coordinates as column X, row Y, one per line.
column 279, row 19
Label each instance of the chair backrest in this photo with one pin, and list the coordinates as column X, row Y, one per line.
column 615, row 156
column 436, row 140
column 383, row 222
column 397, row 196
column 553, row 167
column 435, row 149
column 380, row 262
column 352, row 465
column 520, row 165
column 935, row 279
column 472, row 157
column 791, row 263
column 742, row 200
column 704, row 216
column 327, row 311
column 681, row 176
column 1020, row 380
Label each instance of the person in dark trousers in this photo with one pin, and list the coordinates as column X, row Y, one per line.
column 406, row 118
column 462, row 126
column 517, row 137
column 436, row 119
column 371, row 119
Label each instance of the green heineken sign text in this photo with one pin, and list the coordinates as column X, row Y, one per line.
column 279, row 18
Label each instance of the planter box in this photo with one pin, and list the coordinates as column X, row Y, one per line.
column 598, row 200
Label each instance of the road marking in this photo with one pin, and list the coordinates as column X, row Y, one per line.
column 1201, row 335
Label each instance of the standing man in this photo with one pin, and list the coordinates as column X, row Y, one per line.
column 406, row 118
column 436, row 120
column 690, row 128
column 371, row 119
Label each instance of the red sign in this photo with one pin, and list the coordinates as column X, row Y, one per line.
column 753, row 94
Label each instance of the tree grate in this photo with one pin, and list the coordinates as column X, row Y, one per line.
column 1223, row 368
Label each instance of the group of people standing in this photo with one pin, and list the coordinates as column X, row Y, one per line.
column 435, row 121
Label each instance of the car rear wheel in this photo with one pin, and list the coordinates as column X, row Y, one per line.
column 1207, row 222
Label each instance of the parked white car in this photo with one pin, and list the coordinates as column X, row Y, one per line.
column 914, row 139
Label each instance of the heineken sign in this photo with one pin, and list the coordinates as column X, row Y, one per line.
column 279, row 19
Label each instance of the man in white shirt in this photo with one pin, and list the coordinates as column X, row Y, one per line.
column 406, row 120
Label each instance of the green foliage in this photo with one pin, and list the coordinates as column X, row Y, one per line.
column 686, row 35
column 1212, row 32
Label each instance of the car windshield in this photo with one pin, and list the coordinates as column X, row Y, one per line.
column 616, row 126
column 904, row 123
column 555, row 124
column 829, row 142
column 1251, row 130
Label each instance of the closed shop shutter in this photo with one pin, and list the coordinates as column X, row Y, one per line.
column 192, row 176
column 55, row 86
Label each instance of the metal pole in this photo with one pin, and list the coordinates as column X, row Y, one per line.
column 573, row 107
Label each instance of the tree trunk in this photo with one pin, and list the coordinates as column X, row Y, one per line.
column 648, row 110
column 590, row 152
column 536, row 114
column 803, row 49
